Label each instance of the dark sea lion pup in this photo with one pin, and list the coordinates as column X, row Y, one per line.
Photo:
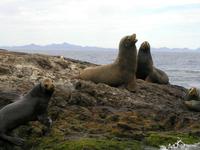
column 192, row 99
column 121, row 71
column 31, row 107
column 146, row 70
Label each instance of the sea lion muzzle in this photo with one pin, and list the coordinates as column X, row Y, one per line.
column 48, row 84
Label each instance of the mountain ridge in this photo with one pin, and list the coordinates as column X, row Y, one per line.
column 67, row 46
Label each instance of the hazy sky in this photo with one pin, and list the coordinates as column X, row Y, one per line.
column 172, row 23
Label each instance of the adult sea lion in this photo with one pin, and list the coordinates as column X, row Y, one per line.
column 146, row 70
column 31, row 107
column 121, row 71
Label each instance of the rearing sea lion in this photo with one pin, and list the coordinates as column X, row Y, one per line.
column 121, row 72
column 146, row 70
column 31, row 107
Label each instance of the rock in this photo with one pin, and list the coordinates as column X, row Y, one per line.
column 82, row 109
column 124, row 126
column 5, row 70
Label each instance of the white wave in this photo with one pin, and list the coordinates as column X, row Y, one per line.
column 179, row 145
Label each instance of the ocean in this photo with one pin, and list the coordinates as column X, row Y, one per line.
column 183, row 68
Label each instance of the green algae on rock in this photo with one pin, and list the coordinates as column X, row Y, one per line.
column 157, row 139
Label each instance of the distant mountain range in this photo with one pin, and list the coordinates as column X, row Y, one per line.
column 53, row 47
column 71, row 47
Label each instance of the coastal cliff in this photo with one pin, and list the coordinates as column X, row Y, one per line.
column 95, row 116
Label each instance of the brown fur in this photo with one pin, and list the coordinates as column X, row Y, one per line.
column 122, row 71
column 145, row 68
column 192, row 94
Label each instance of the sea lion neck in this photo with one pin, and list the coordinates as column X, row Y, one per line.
column 38, row 91
column 127, row 57
column 145, row 51
column 34, row 91
column 145, row 57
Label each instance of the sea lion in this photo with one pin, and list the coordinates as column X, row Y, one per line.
column 31, row 107
column 145, row 69
column 192, row 94
column 192, row 99
column 121, row 71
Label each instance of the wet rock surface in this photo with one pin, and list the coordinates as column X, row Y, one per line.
column 83, row 109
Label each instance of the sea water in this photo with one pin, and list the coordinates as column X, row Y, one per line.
column 179, row 145
column 183, row 68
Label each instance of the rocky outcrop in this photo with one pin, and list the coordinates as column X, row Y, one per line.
column 85, row 110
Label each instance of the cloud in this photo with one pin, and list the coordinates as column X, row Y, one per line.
column 100, row 23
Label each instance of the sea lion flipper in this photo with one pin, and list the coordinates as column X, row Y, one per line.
column 45, row 120
column 148, row 79
column 131, row 86
column 14, row 140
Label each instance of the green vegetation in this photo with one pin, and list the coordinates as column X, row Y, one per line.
column 88, row 144
column 157, row 139
column 154, row 139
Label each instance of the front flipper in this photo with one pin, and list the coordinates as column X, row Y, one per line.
column 131, row 85
column 45, row 120
column 14, row 140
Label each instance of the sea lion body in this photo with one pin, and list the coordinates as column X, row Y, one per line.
column 157, row 76
column 144, row 62
column 192, row 105
column 145, row 69
column 31, row 107
column 122, row 71
column 11, row 117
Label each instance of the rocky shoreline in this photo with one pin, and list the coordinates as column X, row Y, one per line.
column 95, row 116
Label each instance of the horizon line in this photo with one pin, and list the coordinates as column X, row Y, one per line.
column 61, row 43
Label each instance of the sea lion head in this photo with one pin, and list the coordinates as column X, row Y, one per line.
column 128, row 41
column 47, row 85
column 193, row 91
column 145, row 47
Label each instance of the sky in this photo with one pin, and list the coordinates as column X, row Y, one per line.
column 172, row 23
